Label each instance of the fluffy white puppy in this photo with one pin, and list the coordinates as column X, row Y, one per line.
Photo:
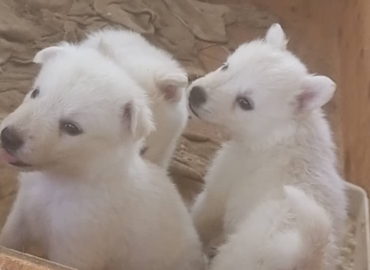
column 271, row 105
column 87, row 198
column 161, row 76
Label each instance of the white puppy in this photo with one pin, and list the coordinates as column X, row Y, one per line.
column 88, row 199
column 161, row 76
column 271, row 105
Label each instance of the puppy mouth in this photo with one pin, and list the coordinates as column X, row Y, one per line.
column 12, row 160
column 20, row 164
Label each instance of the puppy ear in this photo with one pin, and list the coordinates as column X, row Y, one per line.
column 138, row 117
column 46, row 54
column 172, row 86
column 275, row 36
column 316, row 91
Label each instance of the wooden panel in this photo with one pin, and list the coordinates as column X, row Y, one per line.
column 12, row 260
column 355, row 85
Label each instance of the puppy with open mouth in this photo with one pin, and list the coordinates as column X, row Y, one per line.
column 87, row 199
column 273, row 193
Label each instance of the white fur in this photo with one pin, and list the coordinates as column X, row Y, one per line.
column 90, row 201
column 275, row 36
column 160, row 75
column 283, row 140
column 267, row 240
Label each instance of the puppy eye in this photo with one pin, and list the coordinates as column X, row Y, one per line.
column 244, row 103
column 225, row 67
column 35, row 93
column 70, row 128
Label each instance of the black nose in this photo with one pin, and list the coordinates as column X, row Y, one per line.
column 10, row 140
column 197, row 96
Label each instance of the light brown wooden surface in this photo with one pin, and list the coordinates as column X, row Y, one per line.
column 355, row 94
column 11, row 260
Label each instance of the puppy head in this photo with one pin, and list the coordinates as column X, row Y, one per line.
column 169, row 79
column 81, row 106
column 261, row 90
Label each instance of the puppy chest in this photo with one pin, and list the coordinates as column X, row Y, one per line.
column 51, row 213
column 37, row 215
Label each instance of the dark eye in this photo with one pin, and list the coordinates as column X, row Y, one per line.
column 35, row 93
column 244, row 103
column 70, row 128
column 225, row 67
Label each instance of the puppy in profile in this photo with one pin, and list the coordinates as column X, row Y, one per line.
column 87, row 199
column 271, row 105
column 162, row 77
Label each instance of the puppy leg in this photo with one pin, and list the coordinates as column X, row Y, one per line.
column 160, row 150
column 208, row 216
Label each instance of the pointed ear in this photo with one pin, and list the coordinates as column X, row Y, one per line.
column 105, row 49
column 316, row 91
column 46, row 54
column 138, row 117
column 275, row 36
column 172, row 86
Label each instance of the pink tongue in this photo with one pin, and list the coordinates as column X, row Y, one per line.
column 7, row 157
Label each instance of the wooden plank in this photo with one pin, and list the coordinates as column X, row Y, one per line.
column 12, row 260
column 355, row 85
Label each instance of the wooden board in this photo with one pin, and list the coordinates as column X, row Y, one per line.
column 12, row 260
